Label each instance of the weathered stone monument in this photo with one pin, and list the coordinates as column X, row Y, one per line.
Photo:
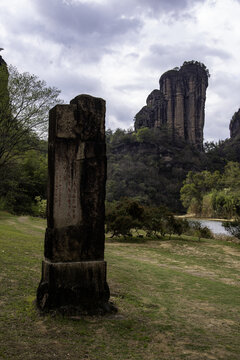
column 74, row 270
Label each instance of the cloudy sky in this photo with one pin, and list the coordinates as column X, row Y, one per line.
column 118, row 49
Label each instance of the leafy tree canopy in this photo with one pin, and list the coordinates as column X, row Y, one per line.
column 212, row 193
column 23, row 113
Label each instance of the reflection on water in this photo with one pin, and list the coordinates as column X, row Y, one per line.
column 214, row 225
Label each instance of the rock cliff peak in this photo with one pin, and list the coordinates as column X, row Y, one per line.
column 234, row 126
column 180, row 103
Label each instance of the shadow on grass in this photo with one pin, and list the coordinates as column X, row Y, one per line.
column 143, row 240
column 129, row 239
column 5, row 215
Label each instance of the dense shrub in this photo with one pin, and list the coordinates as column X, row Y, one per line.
column 126, row 215
column 200, row 231
column 40, row 207
column 233, row 227
column 207, row 194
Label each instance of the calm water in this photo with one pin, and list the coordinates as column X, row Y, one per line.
column 214, row 225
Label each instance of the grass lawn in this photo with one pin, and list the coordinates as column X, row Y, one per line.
column 177, row 299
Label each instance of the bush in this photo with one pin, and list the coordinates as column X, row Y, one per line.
column 180, row 226
column 233, row 227
column 123, row 216
column 40, row 207
column 200, row 231
column 156, row 221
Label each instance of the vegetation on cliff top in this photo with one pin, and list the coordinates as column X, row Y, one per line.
column 198, row 63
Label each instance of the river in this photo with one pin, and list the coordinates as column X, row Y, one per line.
column 214, row 225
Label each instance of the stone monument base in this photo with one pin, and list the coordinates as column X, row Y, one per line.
column 74, row 288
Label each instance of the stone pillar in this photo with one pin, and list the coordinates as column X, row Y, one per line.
column 74, row 270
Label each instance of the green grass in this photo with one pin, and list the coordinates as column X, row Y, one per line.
column 177, row 299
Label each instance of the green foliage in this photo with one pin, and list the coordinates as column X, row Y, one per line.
column 147, row 135
column 24, row 114
column 194, row 62
column 233, row 227
column 180, row 226
column 220, row 153
column 21, row 182
column 123, row 216
column 200, row 231
column 213, row 194
column 207, row 206
column 195, row 186
column 232, row 175
column 148, row 166
column 41, row 207
column 126, row 215
column 226, row 204
column 24, row 104
column 156, row 221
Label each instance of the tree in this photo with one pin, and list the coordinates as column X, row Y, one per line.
column 156, row 220
column 176, row 226
column 200, row 231
column 194, row 62
column 22, row 183
column 123, row 216
column 24, row 110
column 232, row 175
column 195, row 186
column 233, row 227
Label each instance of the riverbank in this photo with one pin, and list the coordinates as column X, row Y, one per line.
column 194, row 217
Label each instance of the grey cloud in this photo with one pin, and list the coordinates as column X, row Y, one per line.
column 166, row 57
column 168, row 5
column 131, row 87
column 133, row 55
column 227, row 87
column 190, row 47
column 222, row 82
column 222, row 131
column 122, row 112
column 156, row 8
column 218, row 127
column 84, row 24
column 74, row 85
column 93, row 28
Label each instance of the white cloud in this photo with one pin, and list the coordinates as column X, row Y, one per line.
column 119, row 50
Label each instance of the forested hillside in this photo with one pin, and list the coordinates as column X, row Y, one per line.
column 148, row 166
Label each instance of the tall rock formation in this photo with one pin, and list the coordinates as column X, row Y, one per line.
column 234, row 126
column 4, row 98
column 154, row 113
column 180, row 103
